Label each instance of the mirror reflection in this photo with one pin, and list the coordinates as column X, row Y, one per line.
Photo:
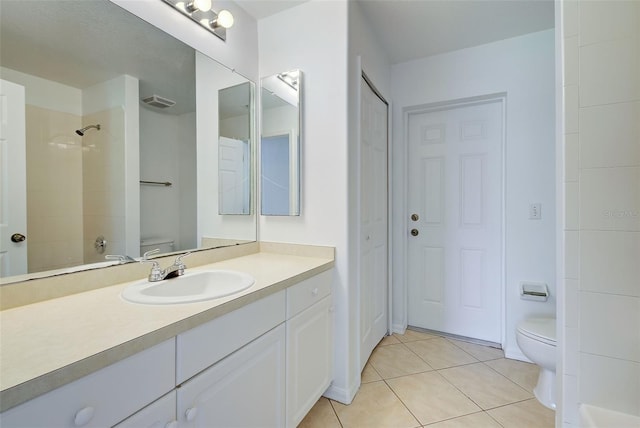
column 111, row 138
column 234, row 149
column 280, row 143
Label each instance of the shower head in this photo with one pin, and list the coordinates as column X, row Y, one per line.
column 81, row 131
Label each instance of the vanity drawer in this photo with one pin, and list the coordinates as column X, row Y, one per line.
column 208, row 343
column 306, row 293
column 102, row 398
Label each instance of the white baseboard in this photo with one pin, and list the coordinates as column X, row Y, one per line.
column 342, row 395
column 514, row 353
column 399, row 329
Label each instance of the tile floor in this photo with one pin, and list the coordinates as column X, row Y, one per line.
column 419, row 379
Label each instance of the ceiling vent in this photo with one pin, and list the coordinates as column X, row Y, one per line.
column 158, row 101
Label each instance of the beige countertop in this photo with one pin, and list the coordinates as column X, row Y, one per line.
column 48, row 344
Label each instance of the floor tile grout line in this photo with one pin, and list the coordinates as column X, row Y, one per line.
column 403, row 403
column 335, row 412
column 504, row 376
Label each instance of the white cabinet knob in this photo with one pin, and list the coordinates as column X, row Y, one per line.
column 314, row 291
column 172, row 424
column 191, row 414
column 83, row 416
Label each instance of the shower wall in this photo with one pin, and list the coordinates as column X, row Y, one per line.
column 105, row 174
column 103, row 178
column 79, row 188
column 53, row 173
column 54, row 189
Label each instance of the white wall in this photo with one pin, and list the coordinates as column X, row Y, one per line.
column 523, row 68
column 298, row 38
column 239, row 52
column 209, row 80
column 601, row 356
column 167, row 153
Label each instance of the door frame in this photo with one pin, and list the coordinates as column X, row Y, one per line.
column 362, row 75
column 404, row 195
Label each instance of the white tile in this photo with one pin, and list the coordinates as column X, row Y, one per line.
column 572, row 206
column 610, row 72
column 571, row 109
column 607, row 20
column 571, row 61
column 572, row 351
column 610, row 135
column 572, row 302
column 570, row 17
column 572, row 255
column 610, row 325
column 610, row 198
column 610, row 383
column 571, row 157
column 609, row 262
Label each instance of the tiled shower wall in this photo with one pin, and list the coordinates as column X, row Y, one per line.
column 54, row 189
column 602, row 206
column 103, row 194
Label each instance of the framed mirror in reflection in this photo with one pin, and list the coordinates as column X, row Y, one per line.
column 281, row 99
column 113, row 149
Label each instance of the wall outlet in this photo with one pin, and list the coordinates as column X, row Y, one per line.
column 535, row 211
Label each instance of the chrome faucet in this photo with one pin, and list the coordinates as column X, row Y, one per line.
column 157, row 274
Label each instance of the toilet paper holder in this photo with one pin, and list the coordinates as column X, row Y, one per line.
column 534, row 291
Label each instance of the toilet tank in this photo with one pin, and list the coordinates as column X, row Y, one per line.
column 164, row 244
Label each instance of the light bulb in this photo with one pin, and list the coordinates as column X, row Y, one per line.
column 224, row 19
column 201, row 5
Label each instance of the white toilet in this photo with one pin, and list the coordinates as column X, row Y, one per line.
column 536, row 338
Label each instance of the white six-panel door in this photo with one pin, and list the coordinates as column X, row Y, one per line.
column 13, row 187
column 373, row 221
column 455, row 219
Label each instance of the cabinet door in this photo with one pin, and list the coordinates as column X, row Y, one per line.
column 246, row 389
column 309, row 359
column 159, row 414
column 102, row 398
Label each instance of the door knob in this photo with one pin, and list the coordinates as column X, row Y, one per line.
column 18, row 237
column 414, row 232
column 415, row 217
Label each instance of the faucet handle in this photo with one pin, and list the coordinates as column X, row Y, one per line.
column 146, row 255
column 178, row 261
column 123, row 258
column 156, row 272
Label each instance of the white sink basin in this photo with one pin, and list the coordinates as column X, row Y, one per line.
column 194, row 286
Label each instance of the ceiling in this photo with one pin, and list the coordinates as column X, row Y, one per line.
column 82, row 43
column 411, row 29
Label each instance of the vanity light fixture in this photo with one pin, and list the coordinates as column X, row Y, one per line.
column 291, row 78
column 200, row 11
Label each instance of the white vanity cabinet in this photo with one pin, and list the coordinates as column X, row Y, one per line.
column 309, row 345
column 246, row 389
column 104, row 397
column 263, row 364
column 159, row 414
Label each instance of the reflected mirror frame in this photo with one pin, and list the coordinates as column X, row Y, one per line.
column 280, row 192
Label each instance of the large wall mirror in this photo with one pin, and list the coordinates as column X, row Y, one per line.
column 281, row 99
column 120, row 139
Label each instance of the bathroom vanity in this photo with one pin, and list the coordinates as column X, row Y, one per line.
column 262, row 357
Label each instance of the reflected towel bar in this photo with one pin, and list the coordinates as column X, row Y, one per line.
column 156, row 183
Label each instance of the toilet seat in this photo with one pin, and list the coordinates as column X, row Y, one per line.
column 540, row 329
